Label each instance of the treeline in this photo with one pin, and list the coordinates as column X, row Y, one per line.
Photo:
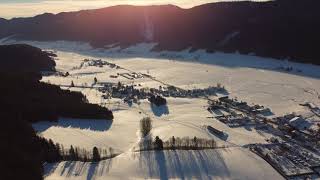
column 24, row 99
column 24, row 152
column 157, row 100
column 38, row 101
column 176, row 143
column 20, row 148
column 54, row 152
column 185, row 143
column 21, row 89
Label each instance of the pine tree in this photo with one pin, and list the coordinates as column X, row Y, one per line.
column 195, row 142
column 57, row 152
column 158, row 143
column 76, row 153
column 173, row 142
column 95, row 154
column 72, row 153
column 111, row 151
column 63, row 153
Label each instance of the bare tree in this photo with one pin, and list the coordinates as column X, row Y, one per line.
column 145, row 126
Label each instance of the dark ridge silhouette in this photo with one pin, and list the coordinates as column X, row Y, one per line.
column 2, row 21
column 25, row 58
column 36, row 101
column 279, row 29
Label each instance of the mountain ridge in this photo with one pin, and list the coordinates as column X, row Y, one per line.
column 279, row 29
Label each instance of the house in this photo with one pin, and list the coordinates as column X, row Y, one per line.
column 299, row 123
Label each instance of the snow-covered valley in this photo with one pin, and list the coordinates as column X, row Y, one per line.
column 248, row 78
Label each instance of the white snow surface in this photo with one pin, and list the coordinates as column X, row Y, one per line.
column 249, row 78
column 235, row 163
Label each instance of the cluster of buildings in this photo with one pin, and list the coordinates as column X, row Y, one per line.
column 313, row 108
column 172, row 91
column 242, row 106
column 238, row 113
column 235, row 121
column 290, row 160
column 130, row 76
column 302, row 129
column 97, row 63
column 297, row 154
column 126, row 92
column 131, row 93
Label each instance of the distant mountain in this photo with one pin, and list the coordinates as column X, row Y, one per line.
column 2, row 20
column 280, row 29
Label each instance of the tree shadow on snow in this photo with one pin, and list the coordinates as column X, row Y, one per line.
column 68, row 169
column 181, row 164
column 161, row 161
column 159, row 110
column 49, row 168
column 104, row 167
column 95, row 125
column 92, row 171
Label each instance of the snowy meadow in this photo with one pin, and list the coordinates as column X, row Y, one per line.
column 248, row 78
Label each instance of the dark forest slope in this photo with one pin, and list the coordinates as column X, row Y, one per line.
column 25, row 58
column 23, row 100
column 35, row 101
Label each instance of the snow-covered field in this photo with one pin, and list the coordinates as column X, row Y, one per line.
column 249, row 78
column 235, row 163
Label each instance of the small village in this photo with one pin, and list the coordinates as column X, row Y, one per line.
column 294, row 149
column 134, row 93
column 236, row 114
column 290, row 160
column 96, row 62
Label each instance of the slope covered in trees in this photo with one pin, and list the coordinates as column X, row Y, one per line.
column 25, row 99
column 25, row 58
column 20, row 148
column 35, row 101
column 279, row 29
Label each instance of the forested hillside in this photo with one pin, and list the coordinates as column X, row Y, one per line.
column 24, row 99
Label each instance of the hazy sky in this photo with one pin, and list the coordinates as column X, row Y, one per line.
column 25, row 8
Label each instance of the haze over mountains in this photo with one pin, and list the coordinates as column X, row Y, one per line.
column 283, row 29
column 28, row 8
